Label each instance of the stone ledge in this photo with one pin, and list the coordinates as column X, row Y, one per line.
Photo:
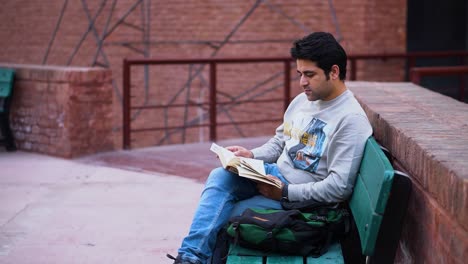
column 428, row 134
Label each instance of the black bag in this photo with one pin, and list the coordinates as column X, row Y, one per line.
column 289, row 232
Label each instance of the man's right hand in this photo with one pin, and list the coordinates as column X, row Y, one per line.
column 240, row 151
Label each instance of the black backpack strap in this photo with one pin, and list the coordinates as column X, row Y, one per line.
column 235, row 242
column 327, row 243
column 270, row 221
column 305, row 206
column 221, row 250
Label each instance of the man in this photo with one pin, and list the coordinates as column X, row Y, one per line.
column 316, row 152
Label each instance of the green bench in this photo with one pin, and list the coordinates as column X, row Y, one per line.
column 6, row 90
column 378, row 206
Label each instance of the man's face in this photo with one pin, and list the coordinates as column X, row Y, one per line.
column 314, row 81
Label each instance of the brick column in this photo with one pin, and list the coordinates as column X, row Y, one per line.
column 62, row 111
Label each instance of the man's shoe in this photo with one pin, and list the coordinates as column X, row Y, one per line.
column 178, row 260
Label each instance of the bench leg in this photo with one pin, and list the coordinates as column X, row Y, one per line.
column 6, row 132
column 351, row 247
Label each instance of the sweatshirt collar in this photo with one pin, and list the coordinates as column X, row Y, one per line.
column 325, row 104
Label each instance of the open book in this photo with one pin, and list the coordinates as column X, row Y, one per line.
column 244, row 167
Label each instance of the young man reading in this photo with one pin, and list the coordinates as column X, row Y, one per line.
column 315, row 152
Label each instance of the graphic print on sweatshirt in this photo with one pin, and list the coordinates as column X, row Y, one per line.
column 306, row 144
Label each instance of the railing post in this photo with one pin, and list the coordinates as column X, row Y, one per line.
column 462, row 83
column 126, row 105
column 213, row 103
column 287, row 84
column 411, row 64
column 415, row 76
column 461, row 90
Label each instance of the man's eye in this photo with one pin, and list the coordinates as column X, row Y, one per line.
column 306, row 74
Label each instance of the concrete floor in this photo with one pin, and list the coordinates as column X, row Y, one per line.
column 117, row 207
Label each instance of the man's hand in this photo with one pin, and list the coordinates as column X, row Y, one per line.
column 240, row 151
column 270, row 191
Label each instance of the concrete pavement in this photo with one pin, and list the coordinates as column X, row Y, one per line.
column 117, row 207
column 60, row 211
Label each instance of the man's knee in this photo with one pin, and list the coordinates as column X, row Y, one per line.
column 220, row 176
column 218, row 170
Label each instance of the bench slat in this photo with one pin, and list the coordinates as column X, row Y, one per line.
column 370, row 194
column 376, row 173
column 241, row 251
column 285, row 259
column 367, row 222
column 245, row 259
column 334, row 255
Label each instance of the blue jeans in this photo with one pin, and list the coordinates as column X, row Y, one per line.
column 225, row 195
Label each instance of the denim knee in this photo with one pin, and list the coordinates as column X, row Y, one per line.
column 220, row 176
column 229, row 182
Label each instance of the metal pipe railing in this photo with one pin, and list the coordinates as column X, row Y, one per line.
column 213, row 62
column 410, row 57
column 418, row 72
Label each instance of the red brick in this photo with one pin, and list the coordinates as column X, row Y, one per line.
column 359, row 25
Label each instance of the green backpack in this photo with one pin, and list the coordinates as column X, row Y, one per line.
column 289, row 232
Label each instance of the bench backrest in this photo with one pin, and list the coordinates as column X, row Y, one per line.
column 6, row 81
column 6, row 85
column 370, row 195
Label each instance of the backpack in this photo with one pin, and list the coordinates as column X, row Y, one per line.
column 290, row 232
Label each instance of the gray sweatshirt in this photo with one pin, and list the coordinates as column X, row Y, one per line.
column 319, row 147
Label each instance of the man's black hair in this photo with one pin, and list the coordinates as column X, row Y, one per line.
column 323, row 49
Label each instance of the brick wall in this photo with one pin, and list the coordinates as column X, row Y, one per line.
column 89, row 33
column 62, row 111
column 427, row 134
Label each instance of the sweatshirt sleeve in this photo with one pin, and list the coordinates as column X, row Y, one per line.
column 344, row 156
column 272, row 149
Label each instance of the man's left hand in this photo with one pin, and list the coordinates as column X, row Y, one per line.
column 270, row 191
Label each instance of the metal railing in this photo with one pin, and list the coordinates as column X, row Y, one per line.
column 212, row 62
column 418, row 72
column 410, row 58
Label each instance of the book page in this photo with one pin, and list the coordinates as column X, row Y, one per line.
column 224, row 155
column 255, row 169
column 254, row 165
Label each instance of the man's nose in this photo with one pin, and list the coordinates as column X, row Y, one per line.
column 303, row 81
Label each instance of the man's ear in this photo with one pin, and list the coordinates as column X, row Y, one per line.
column 335, row 72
